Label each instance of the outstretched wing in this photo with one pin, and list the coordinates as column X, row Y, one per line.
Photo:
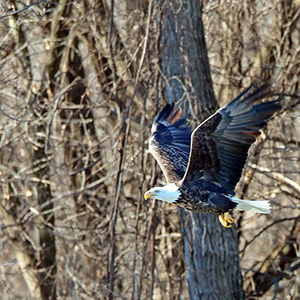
column 220, row 144
column 170, row 142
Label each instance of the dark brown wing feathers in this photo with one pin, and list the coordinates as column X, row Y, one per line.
column 170, row 142
column 220, row 145
column 205, row 154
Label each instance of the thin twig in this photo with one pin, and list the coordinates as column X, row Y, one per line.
column 266, row 228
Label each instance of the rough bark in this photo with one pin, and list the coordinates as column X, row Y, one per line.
column 46, row 222
column 211, row 251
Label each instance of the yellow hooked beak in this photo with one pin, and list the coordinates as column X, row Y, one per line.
column 147, row 195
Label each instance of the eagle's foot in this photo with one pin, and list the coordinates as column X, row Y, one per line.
column 226, row 219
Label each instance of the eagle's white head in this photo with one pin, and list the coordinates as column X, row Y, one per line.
column 169, row 193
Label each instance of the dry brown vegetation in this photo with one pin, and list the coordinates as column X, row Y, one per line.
column 79, row 88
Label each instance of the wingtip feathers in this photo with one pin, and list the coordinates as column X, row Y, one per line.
column 169, row 114
column 174, row 116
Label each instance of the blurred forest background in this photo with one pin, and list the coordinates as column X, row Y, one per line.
column 80, row 84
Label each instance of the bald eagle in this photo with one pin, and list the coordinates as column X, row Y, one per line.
column 203, row 167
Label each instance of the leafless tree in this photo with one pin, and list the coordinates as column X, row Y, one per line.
column 80, row 84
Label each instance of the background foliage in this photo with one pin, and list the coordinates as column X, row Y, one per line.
column 80, row 83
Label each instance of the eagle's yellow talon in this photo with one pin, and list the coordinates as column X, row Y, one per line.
column 226, row 219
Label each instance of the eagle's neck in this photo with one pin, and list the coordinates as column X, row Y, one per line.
column 169, row 193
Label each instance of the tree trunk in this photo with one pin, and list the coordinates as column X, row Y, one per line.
column 46, row 222
column 211, row 251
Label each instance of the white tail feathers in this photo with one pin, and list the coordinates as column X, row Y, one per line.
column 260, row 207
